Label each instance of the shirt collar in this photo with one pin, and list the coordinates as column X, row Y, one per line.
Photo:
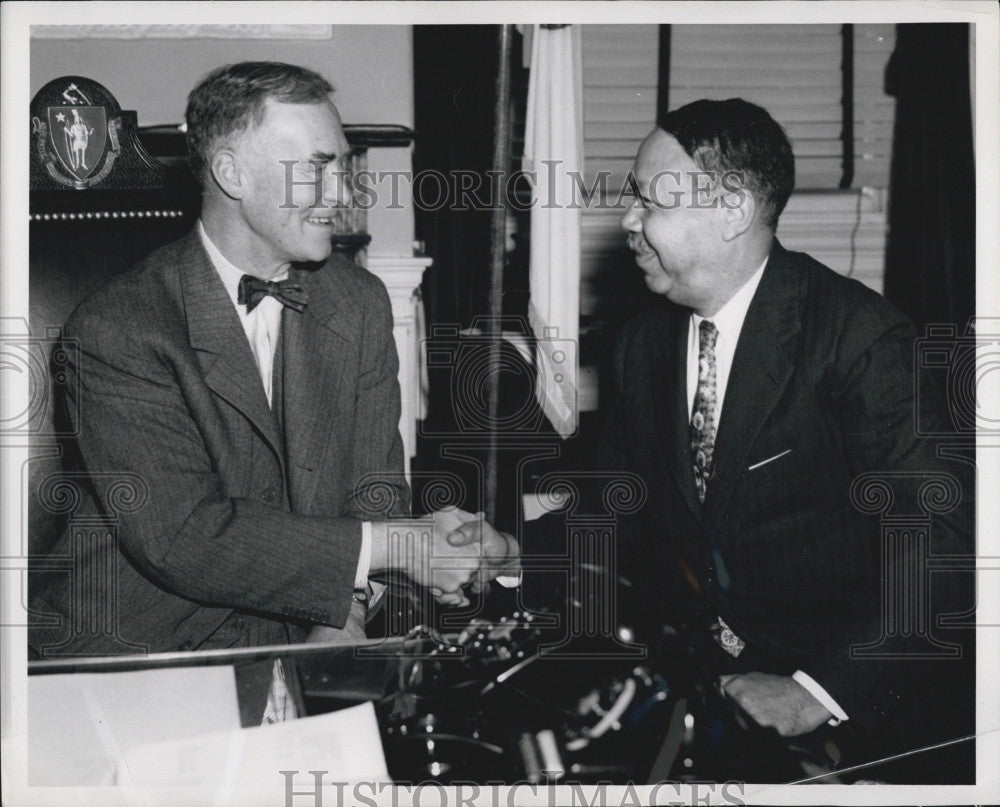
column 729, row 319
column 228, row 273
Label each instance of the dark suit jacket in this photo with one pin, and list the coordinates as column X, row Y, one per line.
column 824, row 370
column 250, row 525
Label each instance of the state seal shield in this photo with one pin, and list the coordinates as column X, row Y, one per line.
column 78, row 136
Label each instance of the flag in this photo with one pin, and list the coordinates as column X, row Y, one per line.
column 553, row 152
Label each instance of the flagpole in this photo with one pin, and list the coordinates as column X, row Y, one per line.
column 498, row 239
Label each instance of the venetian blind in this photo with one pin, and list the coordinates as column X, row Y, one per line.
column 620, row 81
column 874, row 111
column 795, row 72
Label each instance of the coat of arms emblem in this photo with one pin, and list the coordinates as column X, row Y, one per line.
column 78, row 136
column 76, row 141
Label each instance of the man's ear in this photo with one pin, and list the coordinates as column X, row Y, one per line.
column 738, row 210
column 228, row 174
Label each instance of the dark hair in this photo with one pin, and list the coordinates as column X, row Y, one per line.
column 736, row 135
column 231, row 99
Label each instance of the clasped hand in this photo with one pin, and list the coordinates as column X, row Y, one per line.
column 466, row 553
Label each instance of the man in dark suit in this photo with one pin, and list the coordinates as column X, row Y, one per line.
column 767, row 404
column 244, row 383
column 750, row 402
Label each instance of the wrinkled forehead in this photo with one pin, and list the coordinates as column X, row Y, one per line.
column 291, row 113
column 315, row 122
column 662, row 161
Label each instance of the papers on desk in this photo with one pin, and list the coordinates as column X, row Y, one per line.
column 80, row 724
column 181, row 726
column 345, row 744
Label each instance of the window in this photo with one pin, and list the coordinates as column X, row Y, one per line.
column 797, row 72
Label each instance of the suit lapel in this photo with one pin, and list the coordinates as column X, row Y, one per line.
column 315, row 344
column 761, row 369
column 215, row 331
column 669, row 372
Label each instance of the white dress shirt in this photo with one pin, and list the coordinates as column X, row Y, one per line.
column 262, row 327
column 728, row 320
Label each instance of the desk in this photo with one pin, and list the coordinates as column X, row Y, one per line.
column 490, row 704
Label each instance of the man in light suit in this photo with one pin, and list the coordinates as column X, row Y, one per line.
column 750, row 400
column 246, row 381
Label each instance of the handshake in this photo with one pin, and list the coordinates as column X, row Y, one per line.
column 454, row 551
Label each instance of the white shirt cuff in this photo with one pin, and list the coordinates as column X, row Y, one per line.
column 365, row 557
column 820, row 694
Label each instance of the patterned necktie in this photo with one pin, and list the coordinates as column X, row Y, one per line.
column 252, row 290
column 702, row 431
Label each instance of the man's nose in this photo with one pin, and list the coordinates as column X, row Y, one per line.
column 337, row 188
column 632, row 221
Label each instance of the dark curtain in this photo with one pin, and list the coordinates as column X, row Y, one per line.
column 930, row 257
column 663, row 75
column 455, row 73
column 454, row 91
column 930, row 275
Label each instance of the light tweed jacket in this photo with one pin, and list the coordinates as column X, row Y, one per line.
column 251, row 529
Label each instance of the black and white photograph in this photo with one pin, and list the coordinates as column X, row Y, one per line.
column 455, row 403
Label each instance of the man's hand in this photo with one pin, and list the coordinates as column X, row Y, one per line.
column 464, row 556
column 777, row 701
column 449, row 563
column 435, row 563
column 498, row 551
column 463, row 550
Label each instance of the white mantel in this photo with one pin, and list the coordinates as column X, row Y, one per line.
column 402, row 276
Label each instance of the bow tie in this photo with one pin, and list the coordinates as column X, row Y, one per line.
column 253, row 290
